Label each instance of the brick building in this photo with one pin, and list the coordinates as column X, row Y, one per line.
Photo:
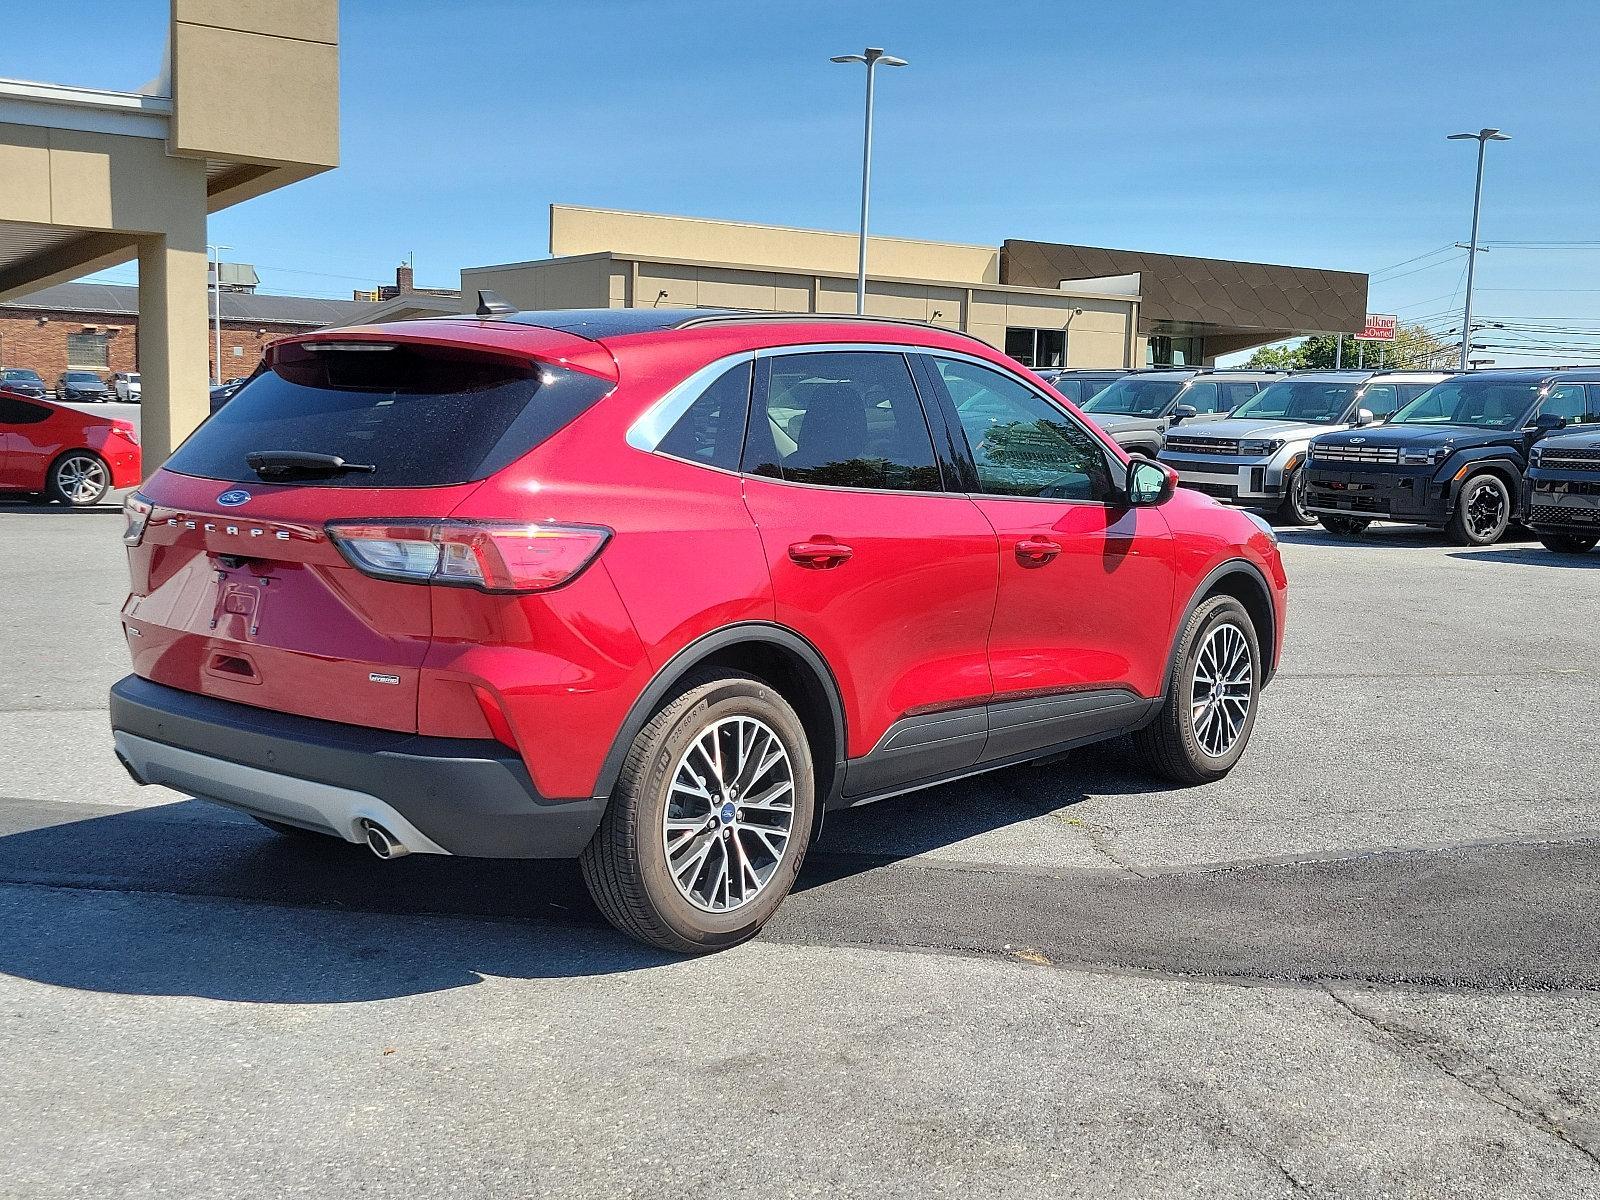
column 95, row 327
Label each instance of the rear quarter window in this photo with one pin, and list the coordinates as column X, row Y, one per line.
column 420, row 416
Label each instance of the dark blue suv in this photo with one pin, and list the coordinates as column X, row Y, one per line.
column 1454, row 458
column 1562, row 489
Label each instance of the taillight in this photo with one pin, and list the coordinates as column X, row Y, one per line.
column 135, row 515
column 492, row 556
column 125, row 430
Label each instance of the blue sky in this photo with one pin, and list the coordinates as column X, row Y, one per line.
column 1314, row 135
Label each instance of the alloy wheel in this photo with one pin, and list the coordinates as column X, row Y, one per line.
column 81, row 479
column 1222, row 689
column 1486, row 509
column 729, row 814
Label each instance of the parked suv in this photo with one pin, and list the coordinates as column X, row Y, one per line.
column 1562, row 497
column 1453, row 458
column 656, row 589
column 1256, row 455
column 1138, row 409
column 1080, row 385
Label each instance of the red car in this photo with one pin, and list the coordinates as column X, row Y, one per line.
column 58, row 453
column 658, row 589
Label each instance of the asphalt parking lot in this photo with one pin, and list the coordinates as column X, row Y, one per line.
column 1367, row 963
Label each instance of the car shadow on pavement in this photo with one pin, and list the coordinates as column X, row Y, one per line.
column 21, row 508
column 192, row 899
column 1533, row 556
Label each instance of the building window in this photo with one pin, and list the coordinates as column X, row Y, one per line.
column 89, row 351
column 1162, row 351
column 1037, row 347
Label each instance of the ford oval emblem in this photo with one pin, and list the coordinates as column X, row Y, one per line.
column 234, row 498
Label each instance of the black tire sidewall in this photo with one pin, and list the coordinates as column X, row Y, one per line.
column 1293, row 511
column 734, row 696
column 1568, row 543
column 1459, row 527
column 1344, row 526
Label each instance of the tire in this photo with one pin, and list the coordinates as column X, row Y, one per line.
column 1293, row 510
column 1189, row 747
column 1483, row 511
column 79, row 478
column 639, row 887
column 1344, row 526
column 1568, row 543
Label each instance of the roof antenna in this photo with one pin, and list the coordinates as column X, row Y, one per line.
column 493, row 304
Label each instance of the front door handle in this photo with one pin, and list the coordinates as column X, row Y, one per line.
column 1035, row 552
column 819, row 555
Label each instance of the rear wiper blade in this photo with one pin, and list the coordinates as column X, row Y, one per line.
column 284, row 464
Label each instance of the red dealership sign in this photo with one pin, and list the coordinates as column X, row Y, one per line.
column 1380, row 328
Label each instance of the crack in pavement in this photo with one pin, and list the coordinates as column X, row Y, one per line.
column 1478, row 1078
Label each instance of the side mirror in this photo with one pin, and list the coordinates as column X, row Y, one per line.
column 1547, row 423
column 1149, row 483
column 1364, row 418
column 1183, row 412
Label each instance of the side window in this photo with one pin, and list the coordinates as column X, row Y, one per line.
column 1566, row 400
column 1594, row 404
column 1021, row 443
column 20, row 412
column 844, row 419
column 1203, row 397
column 1070, row 389
column 1381, row 400
column 1409, row 392
column 1235, row 394
column 711, row 430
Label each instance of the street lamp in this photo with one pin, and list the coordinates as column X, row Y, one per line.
column 1483, row 137
column 873, row 56
column 215, row 254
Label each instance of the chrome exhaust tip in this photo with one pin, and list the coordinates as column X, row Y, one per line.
column 383, row 843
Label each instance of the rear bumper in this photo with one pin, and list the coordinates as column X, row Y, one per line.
column 439, row 795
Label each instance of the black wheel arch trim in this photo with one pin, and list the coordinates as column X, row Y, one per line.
column 1486, row 459
column 1205, row 590
column 690, row 656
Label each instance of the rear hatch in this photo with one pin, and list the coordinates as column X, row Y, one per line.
column 238, row 590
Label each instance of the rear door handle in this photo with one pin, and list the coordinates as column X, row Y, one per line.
column 1037, row 551
column 819, row 555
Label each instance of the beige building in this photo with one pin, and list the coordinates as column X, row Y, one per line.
column 91, row 178
column 1106, row 308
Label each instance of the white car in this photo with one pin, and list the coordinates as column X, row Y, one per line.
column 126, row 385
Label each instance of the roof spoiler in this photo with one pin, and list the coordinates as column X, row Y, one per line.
column 493, row 304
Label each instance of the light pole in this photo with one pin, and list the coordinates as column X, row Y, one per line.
column 1483, row 137
column 216, row 306
column 873, row 56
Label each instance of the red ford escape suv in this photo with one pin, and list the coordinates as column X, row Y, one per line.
column 656, row 589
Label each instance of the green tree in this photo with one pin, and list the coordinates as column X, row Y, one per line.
column 1413, row 346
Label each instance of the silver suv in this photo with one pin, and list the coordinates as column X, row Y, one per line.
column 1254, row 457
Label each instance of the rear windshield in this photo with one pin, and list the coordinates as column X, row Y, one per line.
column 418, row 416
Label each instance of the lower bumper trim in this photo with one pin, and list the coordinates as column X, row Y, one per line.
column 303, row 802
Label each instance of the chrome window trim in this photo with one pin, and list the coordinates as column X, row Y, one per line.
column 651, row 427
